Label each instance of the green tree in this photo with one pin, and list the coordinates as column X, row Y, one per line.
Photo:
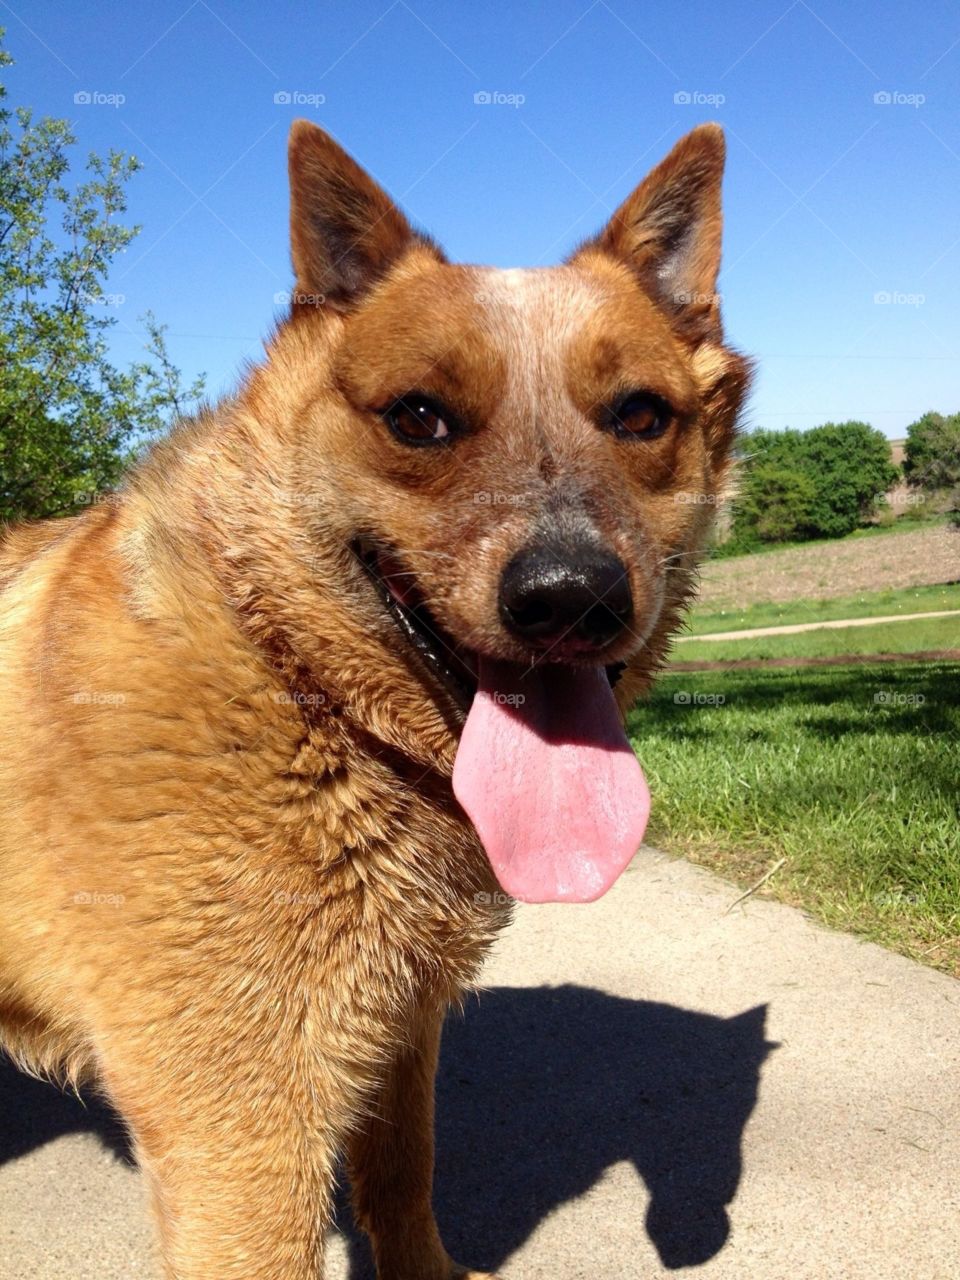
column 932, row 453
column 69, row 419
column 850, row 465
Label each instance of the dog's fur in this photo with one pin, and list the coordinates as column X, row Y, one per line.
column 238, row 890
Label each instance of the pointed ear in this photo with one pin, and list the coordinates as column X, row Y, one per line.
column 345, row 231
column 668, row 232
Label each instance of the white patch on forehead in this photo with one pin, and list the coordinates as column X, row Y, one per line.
column 532, row 293
column 532, row 313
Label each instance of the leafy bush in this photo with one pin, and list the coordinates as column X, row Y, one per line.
column 821, row 483
column 777, row 502
column 932, row 454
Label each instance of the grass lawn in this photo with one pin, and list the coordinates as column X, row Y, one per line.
column 885, row 637
column 851, row 773
column 866, row 604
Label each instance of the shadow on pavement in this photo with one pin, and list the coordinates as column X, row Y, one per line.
column 33, row 1113
column 540, row 1091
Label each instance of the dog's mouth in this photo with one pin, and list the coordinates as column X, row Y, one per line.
column 543, row 769
column 451, row 664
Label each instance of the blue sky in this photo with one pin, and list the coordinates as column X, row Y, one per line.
column 834, row 199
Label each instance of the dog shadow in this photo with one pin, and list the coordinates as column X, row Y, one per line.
column 540, row 1091
column 33, row 1113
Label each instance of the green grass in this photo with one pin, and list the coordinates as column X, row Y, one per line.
column 918, row 636
column 866, row 604
column 850, row 773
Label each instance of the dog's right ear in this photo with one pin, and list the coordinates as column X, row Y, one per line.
column 345, row 231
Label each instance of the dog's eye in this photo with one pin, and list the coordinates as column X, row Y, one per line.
column 641, row 414
column 418, row 420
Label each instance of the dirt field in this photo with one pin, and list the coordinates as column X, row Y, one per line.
column 823, row 570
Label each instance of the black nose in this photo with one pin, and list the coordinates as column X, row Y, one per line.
column 577, row 595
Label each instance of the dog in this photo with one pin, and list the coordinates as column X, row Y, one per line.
column 292, row 718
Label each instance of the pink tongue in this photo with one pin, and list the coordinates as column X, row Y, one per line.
column 546, row 775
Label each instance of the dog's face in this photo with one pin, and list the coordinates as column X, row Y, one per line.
column 524, row 460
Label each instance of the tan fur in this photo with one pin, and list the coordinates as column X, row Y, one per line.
column 240, row 893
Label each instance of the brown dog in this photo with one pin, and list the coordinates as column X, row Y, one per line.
column 406, row 563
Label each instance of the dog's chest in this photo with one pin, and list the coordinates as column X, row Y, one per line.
column 382, row 862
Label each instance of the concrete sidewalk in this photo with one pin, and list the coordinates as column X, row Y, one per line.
column 647, row 1084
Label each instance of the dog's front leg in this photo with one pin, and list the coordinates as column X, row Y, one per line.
column 240, row 1173
column 391, row 1166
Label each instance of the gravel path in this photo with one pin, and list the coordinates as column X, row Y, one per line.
column 794, row 628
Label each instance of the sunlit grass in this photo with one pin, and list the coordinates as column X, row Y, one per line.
column 850, row 773
column 866, row 604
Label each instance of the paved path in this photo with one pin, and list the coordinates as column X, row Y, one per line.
column 794, row 628
column 648, row 1084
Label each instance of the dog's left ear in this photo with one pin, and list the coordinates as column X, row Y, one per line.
column 668, row 232
column 345, row 231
